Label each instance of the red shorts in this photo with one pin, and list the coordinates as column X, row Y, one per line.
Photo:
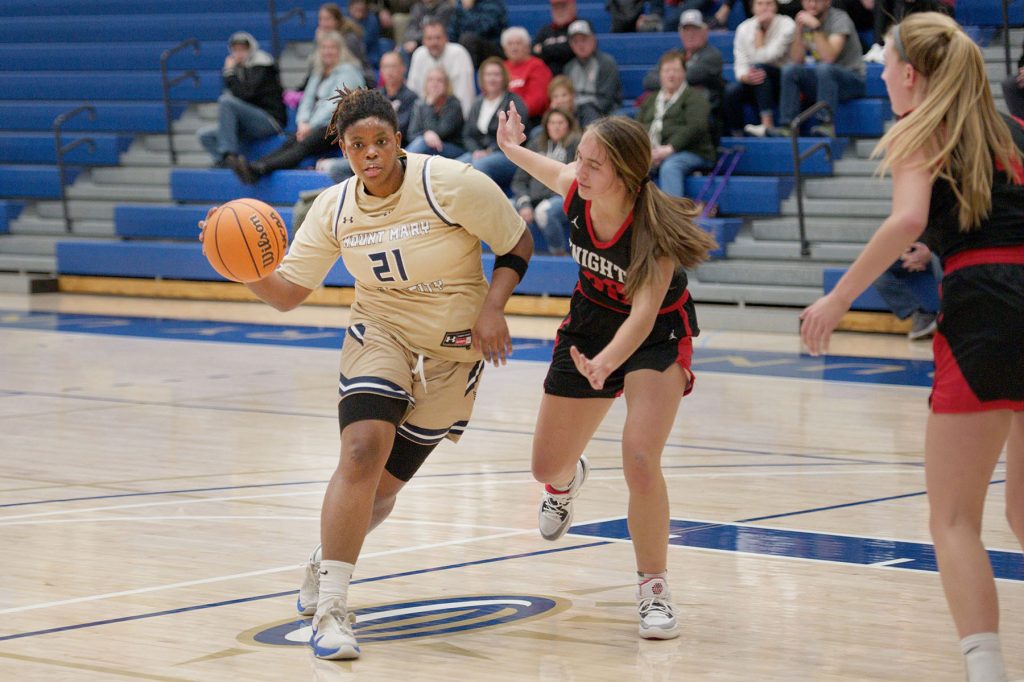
column 979, row 346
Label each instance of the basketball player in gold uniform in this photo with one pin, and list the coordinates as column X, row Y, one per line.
column 424, row 322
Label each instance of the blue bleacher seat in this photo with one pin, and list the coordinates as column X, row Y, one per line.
column 103, row 57
column 870, row 300
column 724, row 230
column 31, row 8
column 9, row 210
column 148, row 221
column 110, row 117
column 116, row 85
column 40, row 148
column 217, row 186
column 989, row 13
column 36, row 182
column 774, row 155
column 743, row 195
column 863, row 117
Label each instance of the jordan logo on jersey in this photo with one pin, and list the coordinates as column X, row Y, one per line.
column 574, row 223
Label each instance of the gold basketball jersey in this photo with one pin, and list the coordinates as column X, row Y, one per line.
column 415, row 254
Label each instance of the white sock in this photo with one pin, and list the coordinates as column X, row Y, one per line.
column 643, row 579
column 983, row 657
column 334, row 579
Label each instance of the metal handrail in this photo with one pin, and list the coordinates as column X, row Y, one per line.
column 168, row 83
column 1006, row 35
column 63, row 149
column 275, row 41
column 798, row 158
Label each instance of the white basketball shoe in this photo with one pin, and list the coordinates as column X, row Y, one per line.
column 310, row 590
column 332, row 636
column 657, row 616
column 555, row 515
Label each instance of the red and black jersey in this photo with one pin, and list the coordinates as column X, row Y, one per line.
column 603, row 264
column 1004, row 225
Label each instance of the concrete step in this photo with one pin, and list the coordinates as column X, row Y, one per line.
column 136, row 193
column 848, row 230
column 79, row 209
column 147, row 158
column 746, row 294
column 862, row 148
column 847, row 188
column 853, row 208
column 19, row 283
column 757, row 249
column 158, row 143
column 766, row 273
column 28, row 264
column 854, row 167
column 33, row 225
column 131, row 176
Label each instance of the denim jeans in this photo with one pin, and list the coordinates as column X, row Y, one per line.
column 765, row 96
column 822, row 83
column 894, row 286
column 495, row 165
column 552, row 223
column 239, row 122
column 673, row 171
column 449, row 151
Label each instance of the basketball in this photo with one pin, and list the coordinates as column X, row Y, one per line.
column 245, row 240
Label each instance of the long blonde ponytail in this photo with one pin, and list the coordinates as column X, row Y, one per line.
column 957, row 124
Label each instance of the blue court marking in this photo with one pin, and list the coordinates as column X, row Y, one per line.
column 275, row 595
column 798, row 544
column 886, row 371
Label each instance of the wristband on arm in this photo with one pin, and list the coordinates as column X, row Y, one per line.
column 512, row 262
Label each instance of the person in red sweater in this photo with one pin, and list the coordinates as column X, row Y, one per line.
column 528, row 75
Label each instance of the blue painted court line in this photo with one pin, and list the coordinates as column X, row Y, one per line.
column 759, row 363
column 798, row 544
column 275, row 595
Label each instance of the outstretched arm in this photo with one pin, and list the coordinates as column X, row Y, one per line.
column 911, row 197
column 557, row 176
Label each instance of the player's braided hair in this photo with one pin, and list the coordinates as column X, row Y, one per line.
column 355, row 105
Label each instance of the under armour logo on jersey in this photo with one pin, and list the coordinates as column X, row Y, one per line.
column 347, row 219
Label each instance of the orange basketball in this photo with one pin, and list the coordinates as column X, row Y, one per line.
column 245, row 240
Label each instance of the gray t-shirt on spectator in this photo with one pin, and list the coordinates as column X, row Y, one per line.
column 838, row 21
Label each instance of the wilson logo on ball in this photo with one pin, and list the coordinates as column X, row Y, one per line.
column 245, row 240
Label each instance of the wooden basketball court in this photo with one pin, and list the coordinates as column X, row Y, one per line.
column 163, row 465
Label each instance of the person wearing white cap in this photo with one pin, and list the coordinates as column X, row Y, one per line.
column 594, row 75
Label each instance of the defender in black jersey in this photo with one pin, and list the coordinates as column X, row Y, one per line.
column 958, row 178
column 628, row 331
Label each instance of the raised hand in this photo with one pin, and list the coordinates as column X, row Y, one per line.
column 511, row 131
column 202, row 223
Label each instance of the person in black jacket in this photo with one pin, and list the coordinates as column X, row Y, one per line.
column 480, row 129
column 1013, row 89
column 551, row 43
column 251, row 107
column 436, row 125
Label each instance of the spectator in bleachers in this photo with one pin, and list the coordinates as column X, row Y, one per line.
column 787, row 8
column 562, row 95
column 1013, row 89
column 760, row 48
column 402, row 98
column 552, row 41
column 704, row 63
column 480, row 130
column 438, row 9
column 394, row 16
column 331, row 18
column 887, row 12
column 529, row 76
column 436, row 126
column 594, row 75
column 629, row 16
column 251, row 107
column 336, row 68
column 535, row 201
column 361, row 12
column 676, row 119
column 436, row 50
column 477, row 26
column 826, row 64
column 894, row 286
